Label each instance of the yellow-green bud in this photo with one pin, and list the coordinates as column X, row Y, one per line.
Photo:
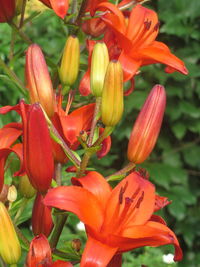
column 99, row 64
column 25, row 187
column 12, row 193
column 70, row 61
column 10, row 249
column 112, row 97
column 18, row 8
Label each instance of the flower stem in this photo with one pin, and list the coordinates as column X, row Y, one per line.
column 22, row 14
column 13, row 76
column 84, row 164
column 81, row 12
column 130, row 166
column 20, row 33
column 21, row 236
column 61, row 218
column 56, row 136
column 58, row 173
column 94, row 121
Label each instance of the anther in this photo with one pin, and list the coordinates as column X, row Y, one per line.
column 147, row 25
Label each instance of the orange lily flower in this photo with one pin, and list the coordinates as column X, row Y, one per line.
column 60, row 7
column 135, row 41
column 118, row 219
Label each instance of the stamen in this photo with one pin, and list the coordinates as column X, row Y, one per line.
column 140, row 200
column 121, row 193
column 156, row 27
column 147, row 24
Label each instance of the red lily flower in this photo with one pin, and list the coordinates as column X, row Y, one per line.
column 135, row 42
column 118, row 220
column 7, row 10
column 60, row 7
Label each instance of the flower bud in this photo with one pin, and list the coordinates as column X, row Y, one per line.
column 25, row 187
column 70, row 61
column 147, row 126
column 99, row 64
column 19, row 4
column 39, row 252
column 10, row 249
column 38, row 156
column 94, row 27
column 112, row 97
column 12, row 193
column 41, row 217
column 38, row 80
column 7, row 10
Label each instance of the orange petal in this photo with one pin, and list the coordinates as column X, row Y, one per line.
column 96, row 254
column 84, row 87
column 142, row 193
column 150, row 234
column 160, row 53
column 96, row 184
column 8, row 136
column 77, row 200
column 60, row 7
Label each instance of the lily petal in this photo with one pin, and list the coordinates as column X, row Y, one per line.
column 96, row 184
column 142, row 195
column 79, row 201
column 97, row 254
column 60, row 7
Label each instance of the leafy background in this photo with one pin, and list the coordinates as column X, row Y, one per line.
column 174, row 165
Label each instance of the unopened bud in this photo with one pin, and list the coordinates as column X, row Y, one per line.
column 12, row 193
column 25, row 187
column 10, row 249
column 99, row 64
column 76, row 244
column 70, row 61
column 38, row 80
column 112, row 98
column 7, row 10
column 147, row 126
column 19, row 4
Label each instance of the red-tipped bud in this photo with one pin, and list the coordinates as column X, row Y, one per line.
column 147, row 126
column 60, row 7
column 38, row 80
column 41, row 217
column 38, row 157
column 39, row 253
column 7, row 10
column 10, row 249
column 70, row 61
column 112, row 97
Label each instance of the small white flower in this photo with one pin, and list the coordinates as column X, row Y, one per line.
column 80, row 226
column 168, row 258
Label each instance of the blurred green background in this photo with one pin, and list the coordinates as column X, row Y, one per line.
column 174, row 165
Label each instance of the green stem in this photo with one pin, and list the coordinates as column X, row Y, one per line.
column 58, row 173
column 107, row 131
column 130, row 166
column 12, row 43
column 2, row 263
column 84, row 164
column 20, row 33
column 21, row 209
column 81, row 12
column 94, row 121
column 21, row 236
column 22, row 14
column 13, row 76
column 56, row 136
column 57, row 230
